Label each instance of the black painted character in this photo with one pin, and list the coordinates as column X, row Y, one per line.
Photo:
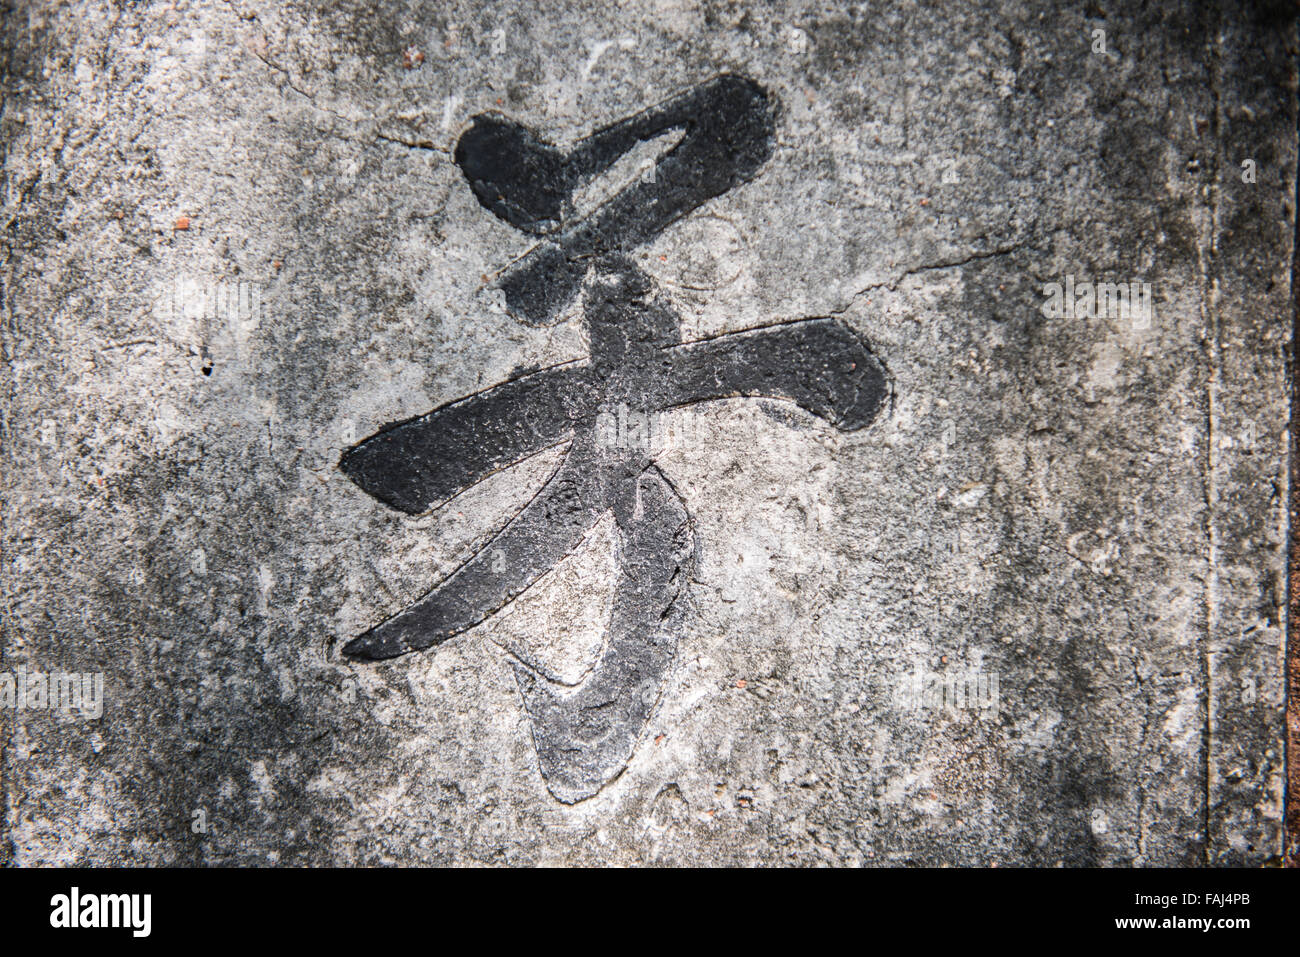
column 585, row 734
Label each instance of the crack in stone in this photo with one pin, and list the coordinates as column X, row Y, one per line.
column 892, row 284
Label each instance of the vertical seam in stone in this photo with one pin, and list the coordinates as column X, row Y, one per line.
column 1206, row 255
column 1291, row 659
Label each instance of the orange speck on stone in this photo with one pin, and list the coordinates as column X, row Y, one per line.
column 925, row 202
column 740, row 683
column 659, row 738
column 118, row 214
column 278, row 264
column 412, row 57
column 182, row 222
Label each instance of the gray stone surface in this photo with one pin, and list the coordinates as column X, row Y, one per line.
column 1089, row 510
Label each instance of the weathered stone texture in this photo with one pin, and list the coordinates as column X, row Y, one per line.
column 1093, row 510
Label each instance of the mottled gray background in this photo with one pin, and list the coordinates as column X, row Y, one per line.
column 1091, row 510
